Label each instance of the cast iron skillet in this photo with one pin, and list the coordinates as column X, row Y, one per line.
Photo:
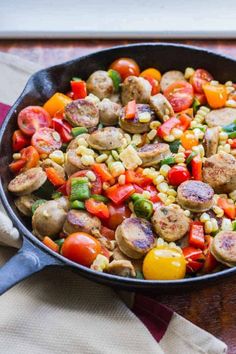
column 33, row 255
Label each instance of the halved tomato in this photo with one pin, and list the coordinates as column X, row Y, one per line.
column 199, row 78
column 180, row 95
column 31, row 156
column 117, row 214
column 46, row 140
column 32, row 118
column 125, row 67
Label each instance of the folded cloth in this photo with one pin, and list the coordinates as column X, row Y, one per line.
column 61, row 312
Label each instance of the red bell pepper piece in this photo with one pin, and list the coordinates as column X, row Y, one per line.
column 154, row 83
column 79, row 89
column 196, row 235
column 194, row 258
column 53, row 177
column 108, row 233
column 130, row 110
column 97, row 208
column 63, row 128
column 166, row 127
column 229, row 209
column 210, row 262
column 102, row 171
column 19, row 140
column 196, row 165
column 232, row 143
column 137, row 177
column 63, row 189
column 16, row 166
column 119, row 193
column 184, row 121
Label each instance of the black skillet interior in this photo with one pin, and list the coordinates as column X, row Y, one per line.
column 46, row 82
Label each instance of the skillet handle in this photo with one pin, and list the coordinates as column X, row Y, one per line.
column 27, row 261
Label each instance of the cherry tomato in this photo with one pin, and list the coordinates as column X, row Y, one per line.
column 31, row 156
column 117, row 214
column 32, row 118
column 180, row 95
column 155, row 85
column 164, row 263
column 177, row 175
column 96, row 185
column 125, row 67
column 81, row 248
column 46, row 140
column 199, row 78
column 188, row 140
column 19, row 140
column 151, row 72
column 216, row 95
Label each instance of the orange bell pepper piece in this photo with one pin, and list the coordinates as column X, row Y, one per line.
column 229, row 209
column 53, row 177
column 47, row 241
column 56, row 103
column 130, row 110
column 216, row 95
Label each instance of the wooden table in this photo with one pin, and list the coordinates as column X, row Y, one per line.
column 212, row 308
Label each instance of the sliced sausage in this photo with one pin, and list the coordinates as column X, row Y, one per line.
column 170, row 222
column 211, row 140
column 170, row 77
column 73, row 163
column 123, row 268
column 221, row 117
column 224, row 247
column 100, row 84
column 48, row 219
column 49, row 163
column 109, row 112
column 108, row 138
column 135, row 88
column 118, row 255
column 219, row 171
column 135, row 237
column 82, row 113
column 79, row 220
column 24, row 204
column 133, row 126
column 161, row 107
column 74, row 144
column 195, row 196
column 152, row 154
column 28, row 181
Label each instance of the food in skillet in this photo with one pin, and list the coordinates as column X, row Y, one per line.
column 132, row 173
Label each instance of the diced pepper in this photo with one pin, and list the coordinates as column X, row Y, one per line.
column 116, row 78
column 79, row 189
column 99, row 198
column 210, row 262
column 78, row 130
column 119, row 193
column 31, row 157
column 168, row 161
column 47, row 241
column 56, row 195
column 194, row 258
column 143, row 208
column 19, row 140
column 185, row 121
column 216, row 95
column 232, row 143
column 196, row 235
column 78, row 88
column 196, row 165
column 137, row 177
column 63, row 128
column 77, row 204
column 108, row 233
column 62, row 189
column 229, row 209
column 189, row 140
column 165, row 129
column 130, row 110
column 53, row 177
column 190, row 155
column 174, row 146
column 16, row 166
column 56, row 103
column 97, row 208
column 196, row 104
column 102, row 171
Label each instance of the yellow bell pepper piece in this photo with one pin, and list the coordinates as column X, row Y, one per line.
column 56, row 103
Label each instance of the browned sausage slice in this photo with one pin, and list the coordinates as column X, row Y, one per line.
column 152, row 154
column 109, row 112
column 123, row 268
column 108, row 138
column 78, row 220
column 221, row 117
column 28, row 181
column 161, row 107
column 100, row 84
column 211, row 140
column 224, row 247
column 82, row 113
column 133, row 126
column 170, row 77
column 135, row 88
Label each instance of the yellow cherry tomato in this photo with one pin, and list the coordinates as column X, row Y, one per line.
column 151, row 72
column 164, row 263
column 189, row 140
column 216, row 95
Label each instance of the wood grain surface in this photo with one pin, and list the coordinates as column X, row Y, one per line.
column 212, row 308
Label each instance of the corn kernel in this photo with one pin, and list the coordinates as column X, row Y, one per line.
column 226, row 148
column 151, row 135
column 188, row 73
column 214, row 223
column 57, row 156
column 162, row 196
column 144, row 117
column 121, row 179
column 172, row 192
column 127, row 138
column 187, row 213
column 214, row 82
column 16, row 156
column 160, row 242
column 105, row 186
column 92, row 98
column 164, row 170
column 163, row 187
column 146, row 195
column 230, row 89
column 198, row 133
column 194, row 124
column 101, row 158
column 233, row 195
column 223, row 136
column 204, row 217
column 91, row 176
column 136, row 139
column 177, row 133
column 169, row 138
column 215, row 199
column 115, row 155
column 170, row 200
column 82, row 142
column 229, row 83
column 155, row 124
column 181, row 149
column 116, row 168
column 218, row 211
column 159, row 179
column 179, row 157
column 100, row 263
column 87, row 160
column 226, row 225
column 208, row 227
column 230, row 103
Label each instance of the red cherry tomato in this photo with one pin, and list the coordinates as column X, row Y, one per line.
column 178, row 175
column 199, row 78
column 180, row 95
column 19, row 140
column 96, row 185
column 31, row 156
column 125, row 67
column 46, row 140
column 117, row 214
column 32, row 118
column 63, row 128
column 81, row 248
